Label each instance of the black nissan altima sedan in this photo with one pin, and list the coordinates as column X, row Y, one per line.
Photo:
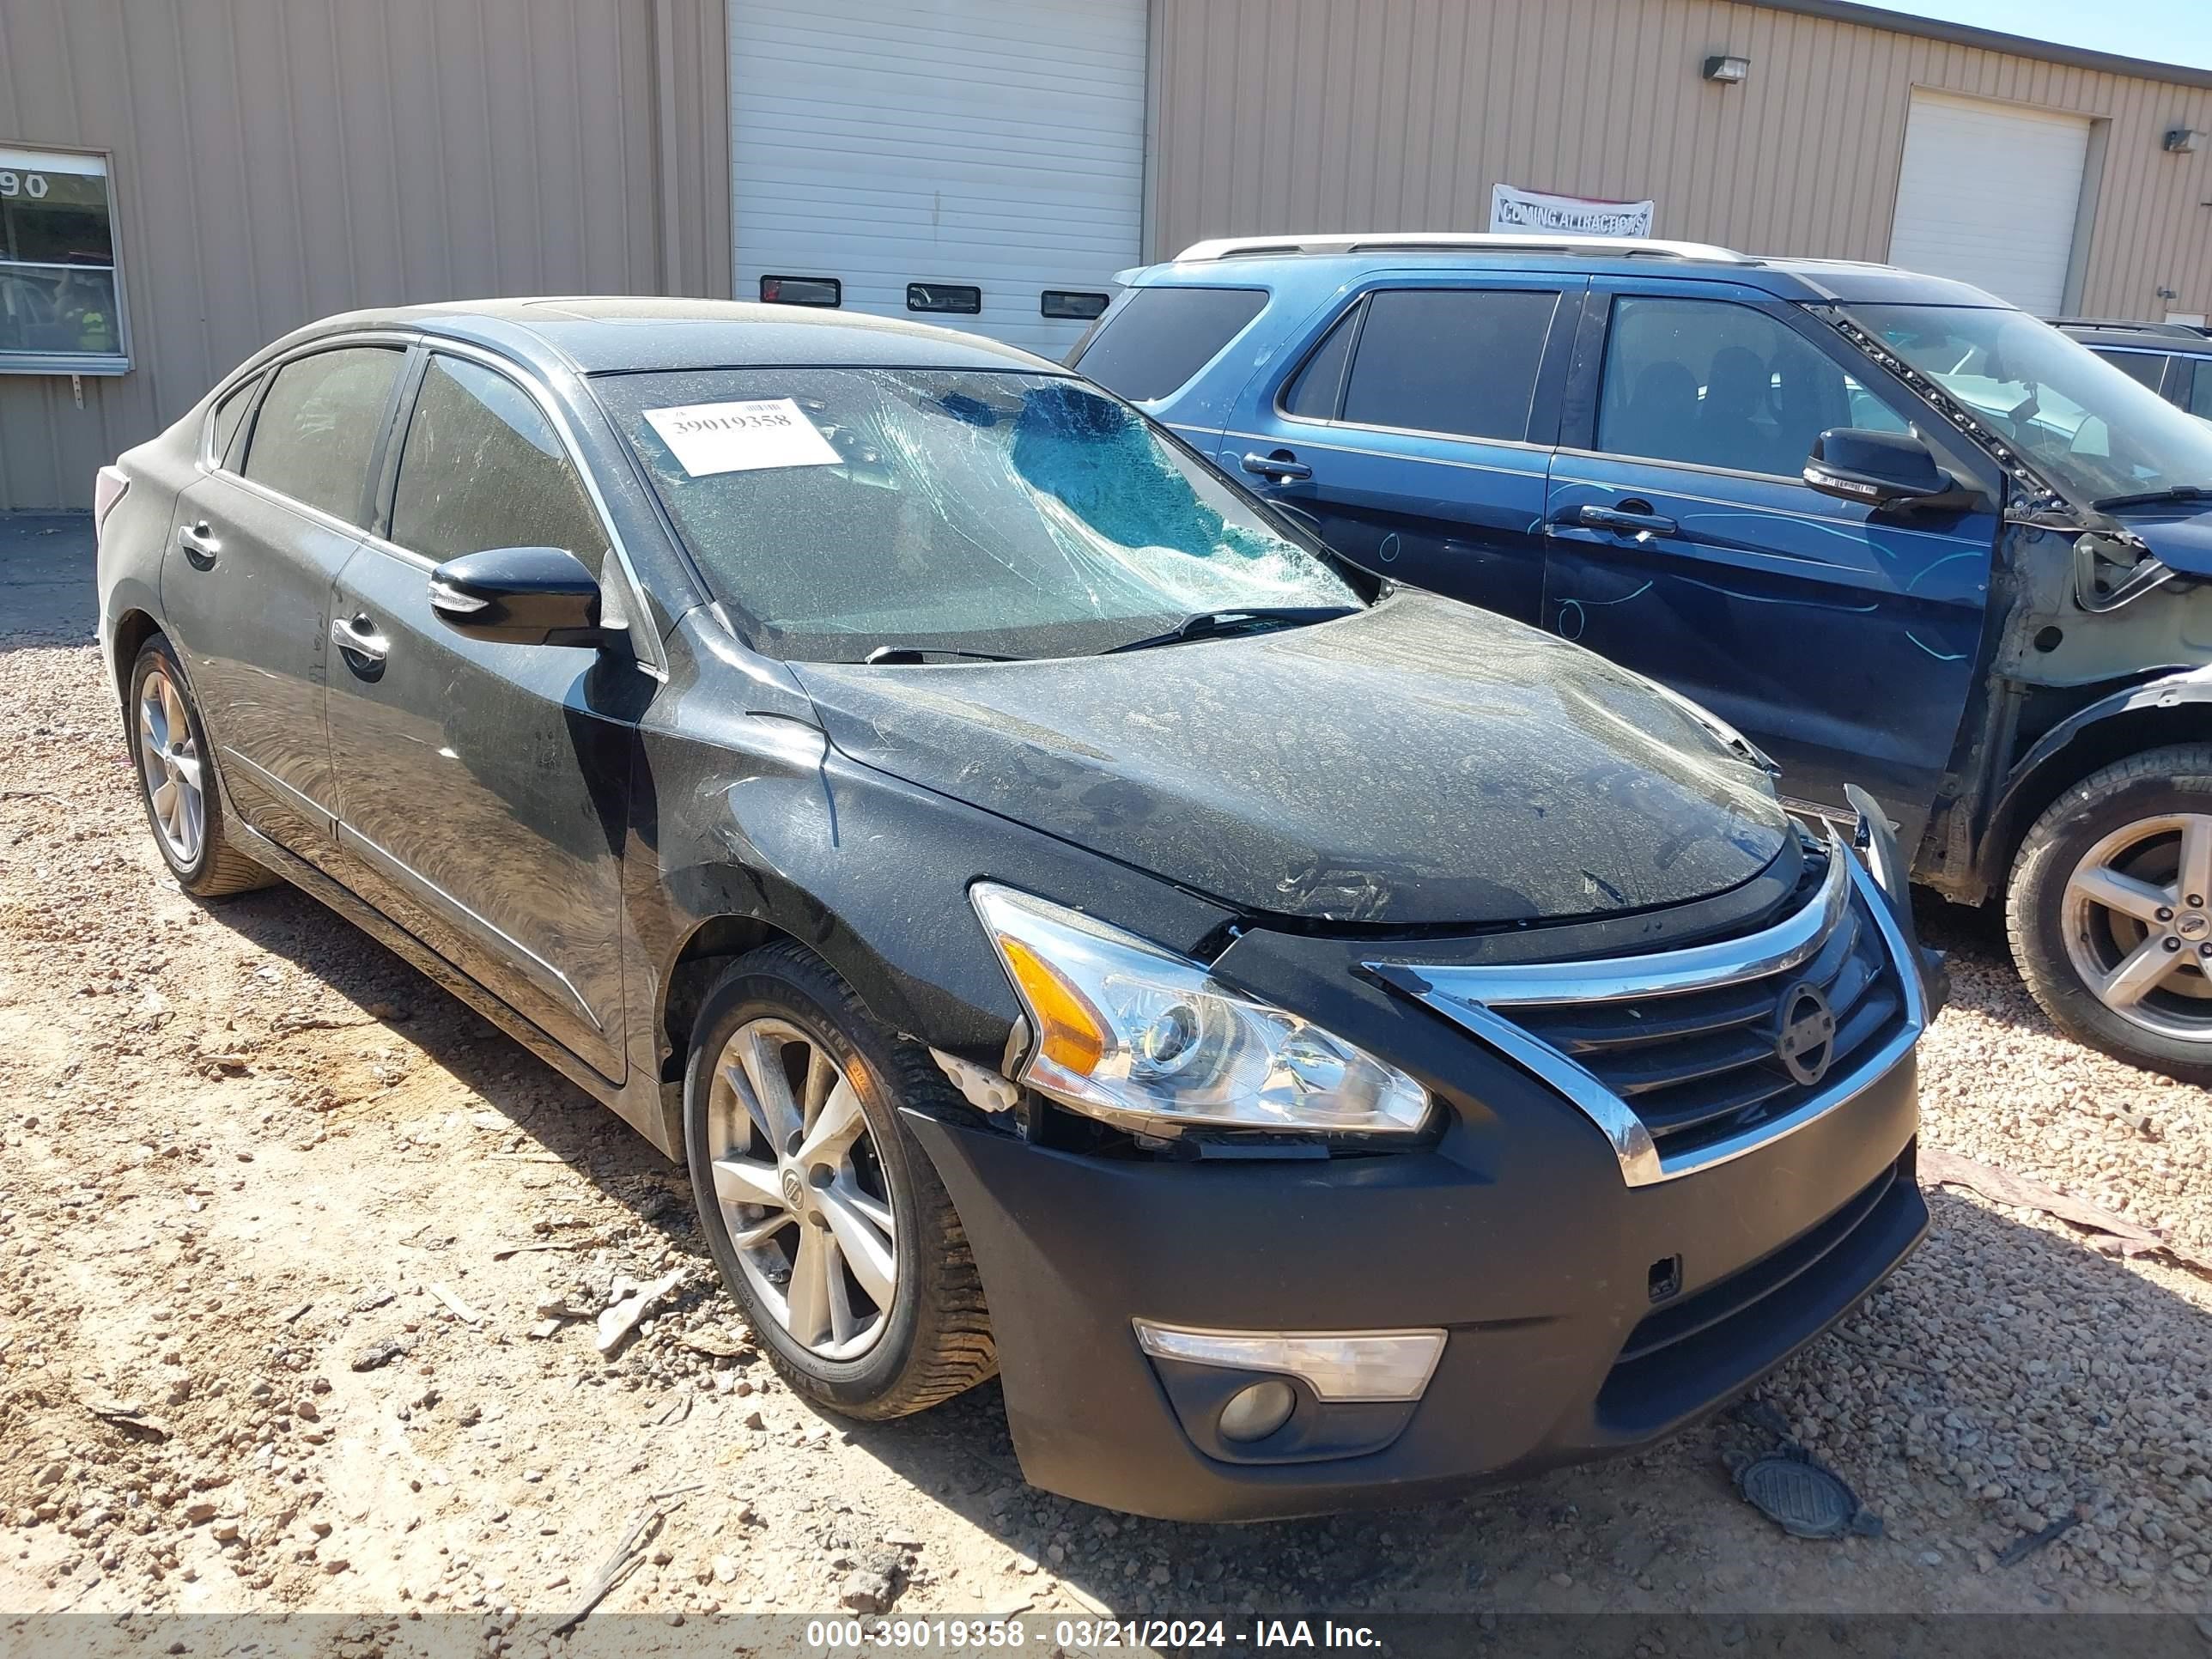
column 1316, row 1042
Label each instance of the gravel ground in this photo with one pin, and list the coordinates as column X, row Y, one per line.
column 264, row 1345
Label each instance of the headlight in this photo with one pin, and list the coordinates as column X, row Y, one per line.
column 1149, row 1041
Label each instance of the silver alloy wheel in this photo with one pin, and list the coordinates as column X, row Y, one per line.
column 2138, row 924
column 801, row 1187
column 169, row 761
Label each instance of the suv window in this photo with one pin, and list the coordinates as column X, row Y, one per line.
column 229, row 414
column 1461, row 360
column 1717, row 384
column 2146, row 367
column 1157, row 338
column 1314, row 390
column 482, row 467
column 2200, row 391
column 319, row 426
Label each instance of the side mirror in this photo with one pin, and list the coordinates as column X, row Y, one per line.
column 1879, row 469
column 520, row 596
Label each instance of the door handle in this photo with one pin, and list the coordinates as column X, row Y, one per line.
column 199, row 545
column 1626, row 521
column 359, row 638
column 1279, row 466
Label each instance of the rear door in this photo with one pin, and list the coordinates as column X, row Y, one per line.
column 1684, row 543
column 1414, row 435
column 245, row 582
column 483, row 787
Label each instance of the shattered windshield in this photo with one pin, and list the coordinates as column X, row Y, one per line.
column 849, row 510
column 2096, row 432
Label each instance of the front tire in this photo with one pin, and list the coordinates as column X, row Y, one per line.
column 826, row 1219
column 2109, row 911
column 176, row 780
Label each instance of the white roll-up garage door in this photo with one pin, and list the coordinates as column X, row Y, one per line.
column 1988, row 194
column 987, row 150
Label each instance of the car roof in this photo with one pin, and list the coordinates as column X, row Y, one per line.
column 1329, row 260
column 615, row 334
column 2172, row 338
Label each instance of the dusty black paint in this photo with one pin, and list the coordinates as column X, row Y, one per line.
column 558, row 823
column 1418, row 764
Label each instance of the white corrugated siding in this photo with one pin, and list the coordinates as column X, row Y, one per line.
column 1988, row 194
column 986, row 142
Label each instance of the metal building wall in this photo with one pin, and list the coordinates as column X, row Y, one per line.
column 1306, row 115
column 275, row 161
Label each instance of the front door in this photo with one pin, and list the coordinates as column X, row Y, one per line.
column 483, row 788
column 1413, row 438
column 1684, row 543
column 246, row 580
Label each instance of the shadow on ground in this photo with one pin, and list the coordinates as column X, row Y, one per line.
column 46, row 582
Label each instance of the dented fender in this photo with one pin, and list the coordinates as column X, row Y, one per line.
column 744, row 811
column 2025, row 792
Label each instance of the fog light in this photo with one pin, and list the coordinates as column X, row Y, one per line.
column 1337, row 1365
column 1256, row 1412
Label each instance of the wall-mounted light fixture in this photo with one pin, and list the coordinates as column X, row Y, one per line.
column 2183, row 141
column 1727, row 69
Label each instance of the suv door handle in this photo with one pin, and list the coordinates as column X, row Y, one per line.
column 1628, row 523
column 199, row 545
column 359, row 638
column 1279, row 466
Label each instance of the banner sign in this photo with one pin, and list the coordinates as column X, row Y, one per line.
column 1567, row 216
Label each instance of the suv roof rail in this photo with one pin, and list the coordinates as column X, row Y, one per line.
column 2130, row 325
column 1443, row 241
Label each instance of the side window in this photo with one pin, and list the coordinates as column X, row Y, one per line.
column 1717, row 384
column 482, row 467
column 1314, row 390
column 1462, row 361
column 230, row 415
column 2200, row 392
column 319, row 426
column 1157, row 338
column 2147, row 366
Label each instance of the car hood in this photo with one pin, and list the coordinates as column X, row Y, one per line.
column 2183, row 545
column 1419, row 763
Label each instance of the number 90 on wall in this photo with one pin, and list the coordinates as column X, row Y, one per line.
column 32, row 185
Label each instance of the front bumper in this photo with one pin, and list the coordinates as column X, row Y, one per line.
column 1525, row 1248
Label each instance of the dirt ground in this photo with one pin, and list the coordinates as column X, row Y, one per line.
column 278, row 1219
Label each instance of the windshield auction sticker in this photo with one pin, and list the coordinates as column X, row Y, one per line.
column 741, row 437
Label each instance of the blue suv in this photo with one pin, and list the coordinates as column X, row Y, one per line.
column 1894, row 532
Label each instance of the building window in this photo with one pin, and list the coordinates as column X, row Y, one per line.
column 802, row 291
column 955, row 297
column 1067, row 305
column 61, row 297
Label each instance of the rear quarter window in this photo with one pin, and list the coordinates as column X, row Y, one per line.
column 1158, row 337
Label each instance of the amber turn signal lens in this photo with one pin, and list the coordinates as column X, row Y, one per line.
column 1070, row 1032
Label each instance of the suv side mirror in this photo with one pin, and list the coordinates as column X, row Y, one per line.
column 1879, row 469
column 520, row 596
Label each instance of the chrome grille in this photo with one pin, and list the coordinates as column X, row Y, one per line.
column 1680, row 1055
column 1699, row 1064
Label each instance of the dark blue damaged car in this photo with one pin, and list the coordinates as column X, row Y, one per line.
column 1901, row 535
column 1317, row 1043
